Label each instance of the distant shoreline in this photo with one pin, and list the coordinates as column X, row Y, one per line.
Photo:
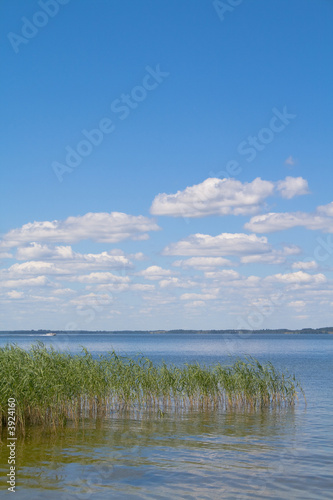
column 325, row 330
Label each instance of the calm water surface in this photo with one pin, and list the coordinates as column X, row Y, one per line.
column 282, row 454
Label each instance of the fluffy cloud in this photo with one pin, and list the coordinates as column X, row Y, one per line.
column 224, row 275
column 38, row 251
column 25, row 282
column 310, row 264
column 223, row 244
column 34, row 267
column 63, row 291
column 102, row 227
column 93, row 299
column 321, row 220
column 100, row 278
column 298, row 277
column 225, row 196
column 65, row 254
column 203, row 263
column 14, row 294
column 292, row 186
column 68, row 266
column 154, row 273
column 141, row 287
column 274, row 257
column 176, row 283
column 197, row 296
column 108, row 287
column 233, row 280
column 214, row 197
column 326, row 209
column 5, row 255
column 271, row 222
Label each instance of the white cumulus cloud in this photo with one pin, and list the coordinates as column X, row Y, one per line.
column 275, row 256
column 102, row 277
column 155, row 273
column 93, row 299
column 102, row 227
column 224, row 275
column 176, row 283
column 214, row 197
column 321, row 220
column 24, row 282
column 310, row 264
column 292, row 186
column 14, row 294
column 141, row 287
column 34, row 267
column 5, row 255
column 223, row 244
column 197, row 296
column 203, row 263
column 298, row 277
column 225, row 196
column 326, row 209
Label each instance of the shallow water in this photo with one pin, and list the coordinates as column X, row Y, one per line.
column 276, row 454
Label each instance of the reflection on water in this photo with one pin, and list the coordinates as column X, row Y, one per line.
column 193, row 455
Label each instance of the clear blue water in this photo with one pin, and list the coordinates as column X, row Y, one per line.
column 282, row 454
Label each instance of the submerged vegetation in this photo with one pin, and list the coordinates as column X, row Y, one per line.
column 51, row 387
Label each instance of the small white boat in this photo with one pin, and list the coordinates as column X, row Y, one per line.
column 50, row 334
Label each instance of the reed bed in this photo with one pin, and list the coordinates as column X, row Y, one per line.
column 52, row 387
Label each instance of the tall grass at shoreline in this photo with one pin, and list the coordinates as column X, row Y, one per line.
column 51, row 387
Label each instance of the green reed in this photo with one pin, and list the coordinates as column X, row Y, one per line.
column 51, row 387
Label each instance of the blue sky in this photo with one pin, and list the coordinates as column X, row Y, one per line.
column 205, row 165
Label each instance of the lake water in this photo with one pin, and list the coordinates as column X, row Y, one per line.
column 265, row 454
